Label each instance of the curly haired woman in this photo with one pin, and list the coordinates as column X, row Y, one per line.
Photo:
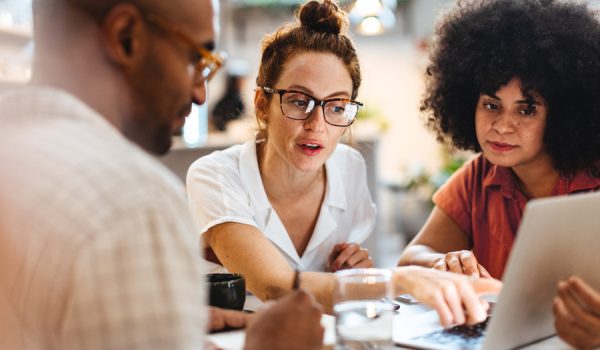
column 518, row 81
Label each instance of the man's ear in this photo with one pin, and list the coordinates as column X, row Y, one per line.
column 121, row 32
column 261, row 104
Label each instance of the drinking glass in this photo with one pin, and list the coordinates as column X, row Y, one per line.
column 363, row 309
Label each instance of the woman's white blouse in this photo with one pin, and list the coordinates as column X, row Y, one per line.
column 226, row 186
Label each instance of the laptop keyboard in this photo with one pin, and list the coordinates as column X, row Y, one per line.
column 463, row 336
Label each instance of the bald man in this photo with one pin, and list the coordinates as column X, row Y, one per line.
column 97, row 249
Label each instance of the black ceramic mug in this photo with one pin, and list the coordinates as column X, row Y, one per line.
column 226, row 290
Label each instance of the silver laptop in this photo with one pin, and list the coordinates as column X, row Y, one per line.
column 558, row 237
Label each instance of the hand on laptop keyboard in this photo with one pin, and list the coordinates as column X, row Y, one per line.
column 454, row 297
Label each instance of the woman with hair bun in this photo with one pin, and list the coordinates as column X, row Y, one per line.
column 295, row 198
column 518, row 81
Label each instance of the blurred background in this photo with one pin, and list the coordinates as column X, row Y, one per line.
column 405, row 164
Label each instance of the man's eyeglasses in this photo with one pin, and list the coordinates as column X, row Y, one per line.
column 300, row 106
column 206, row 63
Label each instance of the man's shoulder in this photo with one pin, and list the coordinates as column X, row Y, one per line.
column 65, row 153
column 131, row 173
column 100, row 160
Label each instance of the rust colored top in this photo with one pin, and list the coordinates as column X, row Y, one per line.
column 485, row 201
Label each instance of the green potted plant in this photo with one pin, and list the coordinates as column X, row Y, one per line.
column 414, row 203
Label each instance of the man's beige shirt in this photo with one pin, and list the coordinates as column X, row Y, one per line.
column 97, row 250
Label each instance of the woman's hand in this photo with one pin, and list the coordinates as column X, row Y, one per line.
column 577, row 313
column 454, row 297
column 349, row 255
column 222, row 318
column 463, row 262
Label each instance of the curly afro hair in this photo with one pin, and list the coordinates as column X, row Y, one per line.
column 553, row 47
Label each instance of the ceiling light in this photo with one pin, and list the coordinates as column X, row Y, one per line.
column 372, row 17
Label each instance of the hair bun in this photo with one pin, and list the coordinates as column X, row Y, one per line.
column 323, row 16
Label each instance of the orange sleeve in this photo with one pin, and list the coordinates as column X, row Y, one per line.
column 454, row 198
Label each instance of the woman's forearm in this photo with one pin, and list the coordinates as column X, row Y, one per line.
column 420, row 255
column 322, row 286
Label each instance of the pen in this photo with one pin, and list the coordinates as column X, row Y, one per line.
column 296, row 283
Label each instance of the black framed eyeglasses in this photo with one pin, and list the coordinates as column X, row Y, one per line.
column 206, row 64
column 299, row 105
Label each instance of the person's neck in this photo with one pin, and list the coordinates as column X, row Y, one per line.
column 95, row 85
column 281, row 180
column 537, row 180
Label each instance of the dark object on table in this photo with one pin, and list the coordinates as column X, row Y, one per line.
column 226, row 290
column 231, row 105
